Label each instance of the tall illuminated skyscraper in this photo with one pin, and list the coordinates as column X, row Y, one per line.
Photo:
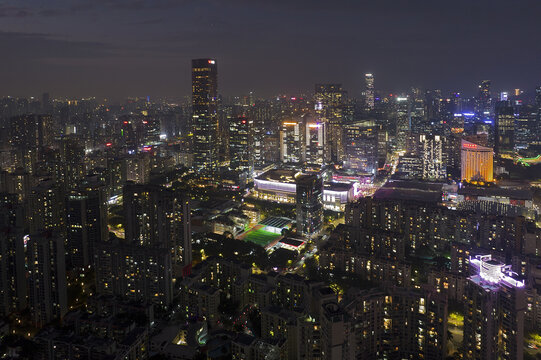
column 241, row 144
column 205, row 114
column 403, row 125
column 309, row 198
column 329, row 102
column 369, row 91
column 361, row 146
column 504, row 138
column 484, row 101
column 315, row 143
column 292, row 142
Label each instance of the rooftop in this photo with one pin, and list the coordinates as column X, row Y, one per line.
column 410, row 190
column 277, row 222
column 279, row 175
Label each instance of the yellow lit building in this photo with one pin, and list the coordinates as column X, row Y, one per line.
column 477, row 162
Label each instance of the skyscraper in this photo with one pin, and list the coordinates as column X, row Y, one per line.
column 329, row 102
column 361, row 146
column 432, row 156
column 205, row 114
column 86, row 223
column 484, row 101
column 292, row 143
column 403, row 125
column 309, row 204
column 494, row 311
column 369, row 91
column 477, row 162
column 504, row 138
column 241, row 144
column 315, row 143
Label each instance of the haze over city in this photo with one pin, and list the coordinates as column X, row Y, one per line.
column 136, row 48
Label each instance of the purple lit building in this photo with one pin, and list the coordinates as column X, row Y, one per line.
column 494, row 311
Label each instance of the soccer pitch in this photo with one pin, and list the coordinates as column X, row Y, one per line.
column 260, row 237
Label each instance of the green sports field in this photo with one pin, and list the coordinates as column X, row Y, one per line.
column 260, row 237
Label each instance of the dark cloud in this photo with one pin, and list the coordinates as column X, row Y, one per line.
column 273, row 46
column 14, row 12
column 19, row 46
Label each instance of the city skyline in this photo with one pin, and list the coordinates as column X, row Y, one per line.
column 120, row 49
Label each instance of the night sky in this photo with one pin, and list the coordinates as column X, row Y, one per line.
column 120, row 48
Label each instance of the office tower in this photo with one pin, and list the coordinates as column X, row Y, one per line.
column 157, row 217
column 398, row 323
column 133, row 272
column 361, row 146
column 403, row 125
column 504, row 137
column 309, row 197
column 241, row 144
column 494, row 311
column 538, row 97
column 484, row 101
column 86, row 225
column 420, row 120
column 476, row 162
column 292, row 142
column 315, row 143
column 434, row 113
column 261, row 113
column 205, row 114
column 72, row 153
column 12, row 270
column 329, row 101
column 46, row 207
column 46, row 104
column 47, row 277
column 369, row 91
column 432, row 156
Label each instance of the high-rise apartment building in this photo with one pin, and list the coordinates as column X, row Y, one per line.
column 133, row 272
column 205, row 114
column 477, row 162
column 156, row 217
column 398, row 323
column 494, row 311
column 46, row 207
column 432, row 156
column 86, row 225
column 12, row 269
column 46, row 277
